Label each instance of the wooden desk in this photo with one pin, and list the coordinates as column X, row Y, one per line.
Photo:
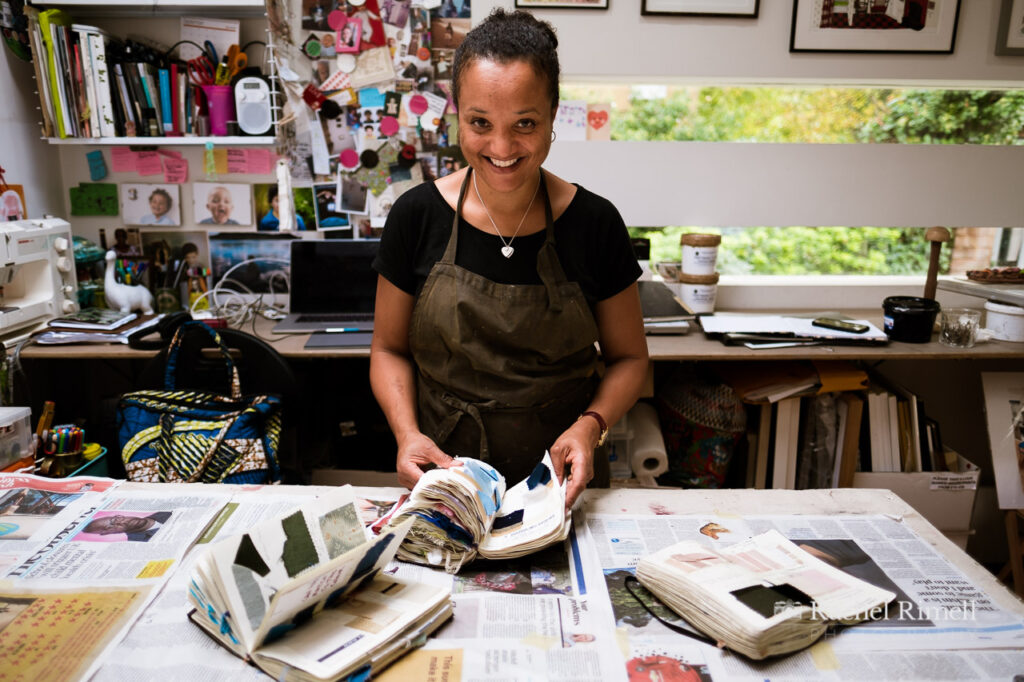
column 692, row 346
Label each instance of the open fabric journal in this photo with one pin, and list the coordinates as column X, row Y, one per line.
column 463, row 511
column 303, row 595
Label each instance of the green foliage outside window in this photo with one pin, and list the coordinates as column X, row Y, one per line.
column 812, row 115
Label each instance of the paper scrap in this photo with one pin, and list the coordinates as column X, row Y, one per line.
column 148, row 163
column 122, row 160
column 599, row 124
column 97, row 166
column 571, row 121
column 94, row 198
column 175, row 171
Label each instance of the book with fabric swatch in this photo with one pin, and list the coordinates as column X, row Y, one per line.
column 465, row 511
column 104, row 319
column 760, row 597
column 304, row 595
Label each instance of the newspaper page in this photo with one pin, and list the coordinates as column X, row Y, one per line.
column 55, row 634
column 163, row 643
column 936, row 608
column 33, row 509
column 124, row 537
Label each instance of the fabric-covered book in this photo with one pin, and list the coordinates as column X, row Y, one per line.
column 94, row 318
column 304, row 596
column 760, row 597
column 465, row 511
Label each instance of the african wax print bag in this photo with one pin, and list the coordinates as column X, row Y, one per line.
column 189, row 436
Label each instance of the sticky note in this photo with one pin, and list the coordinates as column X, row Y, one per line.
column 122, row 160
column 220, row 161
column 571, row 121
column 94, row 198
column 97, row 166
column 148, row 163
column 261, row 161
column 175, row 171
column 237, row 161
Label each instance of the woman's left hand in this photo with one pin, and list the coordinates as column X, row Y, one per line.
column 574, row 450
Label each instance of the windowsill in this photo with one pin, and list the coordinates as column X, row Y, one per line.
column 821, row 292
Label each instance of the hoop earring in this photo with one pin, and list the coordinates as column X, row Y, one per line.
column 553, row 136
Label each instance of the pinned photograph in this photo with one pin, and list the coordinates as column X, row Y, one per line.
column 316, row 12
column 176, row 258
column 329, row 215
column 258, row 262
column 267, row 202
column 221, row 203
column 127, row 242
column 12, row 203
column 350, row 36
column 448, row 31
column 150, row 204
column 395, row 12
column 353, row 195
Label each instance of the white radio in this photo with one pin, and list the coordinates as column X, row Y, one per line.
column 252, row 105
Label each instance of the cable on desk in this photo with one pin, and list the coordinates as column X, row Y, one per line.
column 226, row 298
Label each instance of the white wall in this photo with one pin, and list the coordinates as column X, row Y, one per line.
column 619, row 43
column 26, row 159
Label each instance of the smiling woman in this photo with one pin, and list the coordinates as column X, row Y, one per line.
column 498, row 279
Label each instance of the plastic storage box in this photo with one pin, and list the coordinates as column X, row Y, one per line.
column 15, row 434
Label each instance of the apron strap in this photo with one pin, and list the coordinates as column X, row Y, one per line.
column 548, row 268
column 459, row 408
column 453, row 240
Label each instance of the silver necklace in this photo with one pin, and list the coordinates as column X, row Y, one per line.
column 506, row 248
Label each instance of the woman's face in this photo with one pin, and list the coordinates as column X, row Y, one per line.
column 505, row 122
column 158, row 205
column 346, row 33
column 219, row 205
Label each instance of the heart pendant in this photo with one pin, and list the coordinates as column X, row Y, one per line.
column 507, row 251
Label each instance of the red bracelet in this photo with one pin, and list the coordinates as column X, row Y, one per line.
column 600, row 422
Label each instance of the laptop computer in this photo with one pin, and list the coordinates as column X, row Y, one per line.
column 333, row 286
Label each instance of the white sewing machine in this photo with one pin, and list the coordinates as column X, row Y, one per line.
column 37, row 274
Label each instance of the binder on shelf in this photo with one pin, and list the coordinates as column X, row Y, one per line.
column 164, row 76
column 49, row 21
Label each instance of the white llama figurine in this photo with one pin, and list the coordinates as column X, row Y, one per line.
column 121, row 296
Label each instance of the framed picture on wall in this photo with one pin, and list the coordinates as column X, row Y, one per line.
column 1010, row 39
column 705, row 8
column 571, row 4
column 922, row 26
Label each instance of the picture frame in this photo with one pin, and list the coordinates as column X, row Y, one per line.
column 701, row 8
column 1004, row 410
column 1010, row 37
column 924, row 27
column 150, row 204
column 562, row 4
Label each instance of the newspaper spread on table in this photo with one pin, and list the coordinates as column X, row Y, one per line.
column 937, row 613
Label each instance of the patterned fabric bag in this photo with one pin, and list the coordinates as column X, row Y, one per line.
column 189, row 436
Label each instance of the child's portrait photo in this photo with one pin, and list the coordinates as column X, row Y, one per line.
column 349, row 36
column 12, row 203
column 268, row 203
column 329, row 215
column 150, row 204
column 221, row 203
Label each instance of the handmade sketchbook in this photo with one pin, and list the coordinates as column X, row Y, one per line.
column 465, row 511
column 303, row 595
column 760, row 597
column 104, row 319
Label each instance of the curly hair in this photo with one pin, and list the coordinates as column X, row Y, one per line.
column 507, row 37
column 160, row 191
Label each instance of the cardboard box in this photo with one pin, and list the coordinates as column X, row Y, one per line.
column 945, row 499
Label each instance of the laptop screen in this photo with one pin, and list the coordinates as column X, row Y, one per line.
column 333, row 276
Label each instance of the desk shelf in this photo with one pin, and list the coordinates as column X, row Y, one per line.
column 234, row 140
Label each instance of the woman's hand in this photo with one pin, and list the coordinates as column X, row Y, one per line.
column 574, row 450
column 418, row 453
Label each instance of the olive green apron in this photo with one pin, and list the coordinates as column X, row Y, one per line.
column 502, row 369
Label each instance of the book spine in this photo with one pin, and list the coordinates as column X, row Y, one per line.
column 89, row 80
column 39, row 63
column 47, row 22
column 101, row 72
column 138, row 98
column 67, row 54
column 127, row 108
column 165, row 100
column 175, row 101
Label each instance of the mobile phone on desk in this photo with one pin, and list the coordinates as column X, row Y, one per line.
column 840, row 325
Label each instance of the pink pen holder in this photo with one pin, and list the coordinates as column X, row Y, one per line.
column 220, row 103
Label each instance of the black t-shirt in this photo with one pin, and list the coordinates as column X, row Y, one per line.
column 590, row 238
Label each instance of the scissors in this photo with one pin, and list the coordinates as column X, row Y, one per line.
column 201, row 71
column 211, row 52
column 232, row 62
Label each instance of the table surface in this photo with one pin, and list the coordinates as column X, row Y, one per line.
column 692, row 346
